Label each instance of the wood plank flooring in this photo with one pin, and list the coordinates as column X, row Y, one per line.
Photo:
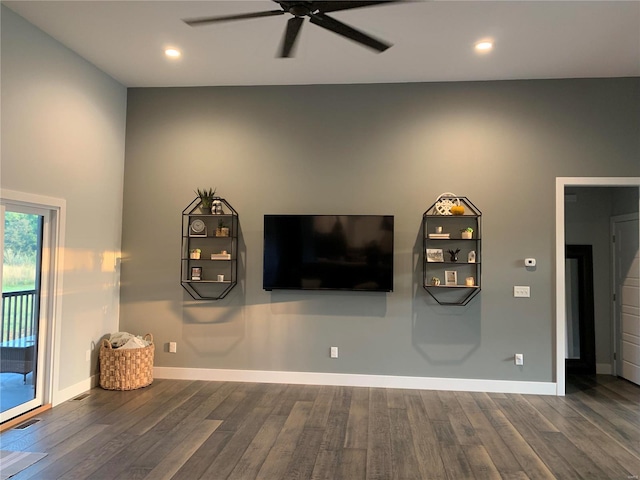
column 223, row 430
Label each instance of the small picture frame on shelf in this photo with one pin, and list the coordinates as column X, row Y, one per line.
column 196, row 273
column 434, row 255
column 450, row 277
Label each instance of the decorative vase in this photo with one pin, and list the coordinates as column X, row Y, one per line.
column 457, row 210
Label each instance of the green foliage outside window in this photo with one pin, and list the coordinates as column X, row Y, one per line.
column 20, row 249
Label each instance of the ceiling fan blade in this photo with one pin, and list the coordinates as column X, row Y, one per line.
column 334, row 6
column 351, row 33
column 194, row 22
column 290, row 36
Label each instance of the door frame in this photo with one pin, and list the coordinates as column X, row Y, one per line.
column 560, row 314
column 51, row 278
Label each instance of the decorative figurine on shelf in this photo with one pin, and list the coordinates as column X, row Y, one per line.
column 216, row 206
column 454, row 254
column 466, row 233
column 435, row 281
column 471, row 257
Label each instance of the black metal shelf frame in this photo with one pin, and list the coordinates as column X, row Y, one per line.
column 459, row 294
column 208, row 287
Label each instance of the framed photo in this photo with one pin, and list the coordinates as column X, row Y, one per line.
column 450, row 277
column 435, row 255
column 196, row 273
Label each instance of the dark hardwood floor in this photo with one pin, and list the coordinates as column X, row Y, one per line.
column 221, row 430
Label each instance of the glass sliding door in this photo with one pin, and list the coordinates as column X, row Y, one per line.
column 21, row 388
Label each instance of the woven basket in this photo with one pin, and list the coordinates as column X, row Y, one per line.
column 126, row 368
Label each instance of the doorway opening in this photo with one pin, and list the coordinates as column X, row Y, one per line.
column 32, row 241
column 19, row 335
column 605, row 336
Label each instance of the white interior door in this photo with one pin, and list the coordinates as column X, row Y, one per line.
column 627, row 291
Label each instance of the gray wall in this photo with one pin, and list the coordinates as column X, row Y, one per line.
column 587, row 222
column 367, row 149
column 624, row 200
column 63, row 132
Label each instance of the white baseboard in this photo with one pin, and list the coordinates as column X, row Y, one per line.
column 604, row 369
column 74, row 390
column 356, row 380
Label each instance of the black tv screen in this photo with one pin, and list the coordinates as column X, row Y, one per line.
column 328, row 252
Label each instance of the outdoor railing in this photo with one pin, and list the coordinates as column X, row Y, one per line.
column 19, row 310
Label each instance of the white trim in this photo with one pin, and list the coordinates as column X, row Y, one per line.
column 604, row 369
column 561, row 313
column 75, row 390
column 32, row 199
column 561, row 183
column 356, row 380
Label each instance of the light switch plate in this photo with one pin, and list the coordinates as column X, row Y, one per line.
column 522, row 291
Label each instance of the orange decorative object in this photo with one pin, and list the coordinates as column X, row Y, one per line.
column 457, row 210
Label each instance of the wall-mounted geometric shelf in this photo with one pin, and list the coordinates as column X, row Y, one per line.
column 451, row 238
column 200, row 230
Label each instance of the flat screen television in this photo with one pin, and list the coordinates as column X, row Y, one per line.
column 328, row 252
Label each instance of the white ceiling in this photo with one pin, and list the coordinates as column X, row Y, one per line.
column 433, row 41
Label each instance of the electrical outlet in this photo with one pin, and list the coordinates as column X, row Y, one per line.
column 173, row 347
column 334, row 352
column 522, row 291
column 518, row 359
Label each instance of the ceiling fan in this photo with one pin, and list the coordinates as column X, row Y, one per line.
column 317, row 13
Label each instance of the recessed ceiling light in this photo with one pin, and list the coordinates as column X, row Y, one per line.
column 172, row 53
column 484, row 46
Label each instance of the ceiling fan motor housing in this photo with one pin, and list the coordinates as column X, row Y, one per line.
column 299, row 10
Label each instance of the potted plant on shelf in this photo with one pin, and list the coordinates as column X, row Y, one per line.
column 194, row 253
column 206, row 198
column 222, row 230
column 467, row 233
